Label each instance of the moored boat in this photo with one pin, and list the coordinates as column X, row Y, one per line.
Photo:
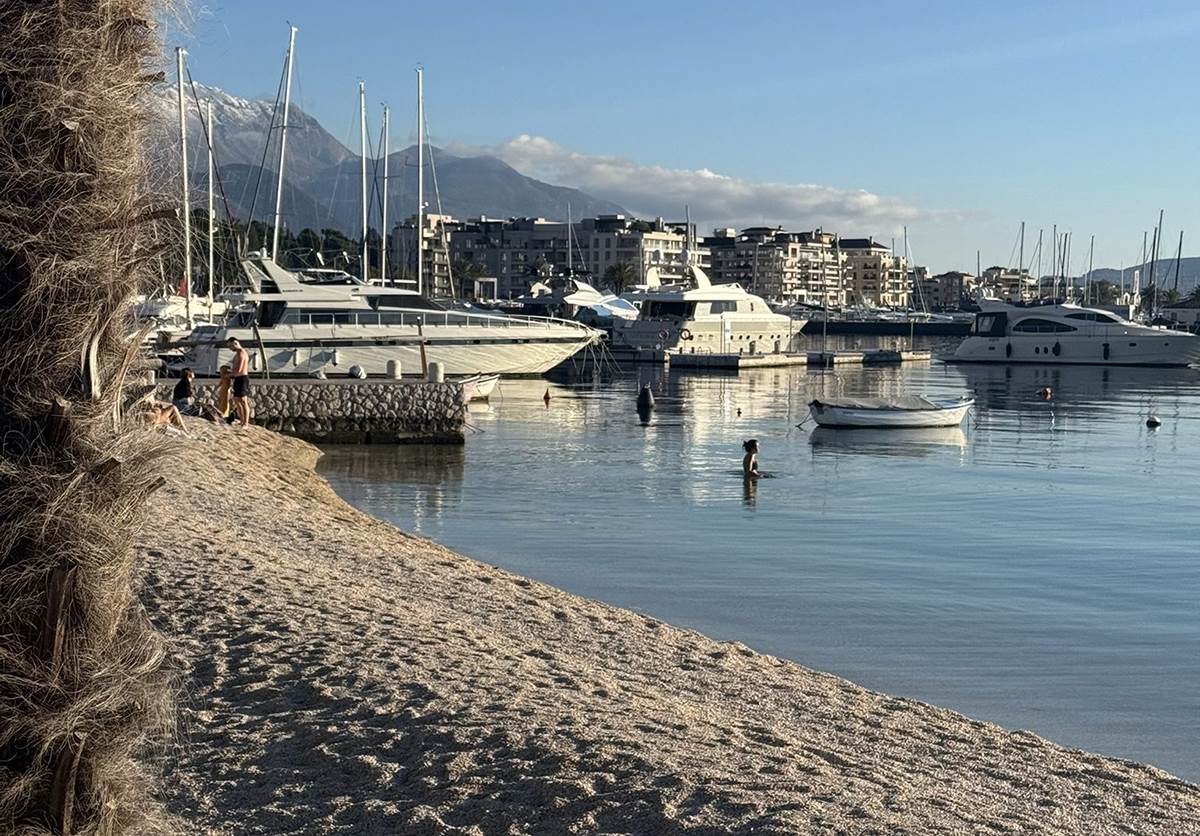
column 913, row 411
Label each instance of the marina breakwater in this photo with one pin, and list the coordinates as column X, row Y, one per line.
column 351, row 411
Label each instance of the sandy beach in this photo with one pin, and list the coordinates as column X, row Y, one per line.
column 341, row 676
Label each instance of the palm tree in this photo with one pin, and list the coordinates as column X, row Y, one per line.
column 620, row 276
column 85, row 678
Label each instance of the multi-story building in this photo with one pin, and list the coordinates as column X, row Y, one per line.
column 804, row 267
column 877, row 276
column 520, row 251
column 436, row 231
column 948, row 291
column 1005, row 283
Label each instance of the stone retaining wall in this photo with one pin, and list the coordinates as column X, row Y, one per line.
column 351, row 411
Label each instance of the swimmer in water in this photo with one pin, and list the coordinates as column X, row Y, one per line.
column 750, row 460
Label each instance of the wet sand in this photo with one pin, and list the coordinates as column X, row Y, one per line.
column 342, row 676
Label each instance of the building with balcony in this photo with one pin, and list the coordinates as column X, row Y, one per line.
column 877, row 276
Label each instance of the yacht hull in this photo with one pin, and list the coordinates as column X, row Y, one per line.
column 470, row 350
column 1120, row 349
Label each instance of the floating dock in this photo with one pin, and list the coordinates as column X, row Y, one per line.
column 701, row 361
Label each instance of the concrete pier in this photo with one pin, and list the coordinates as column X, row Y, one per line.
column 348, row 411
column 705, row 361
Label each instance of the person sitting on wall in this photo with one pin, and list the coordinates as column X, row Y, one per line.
column 184, row 396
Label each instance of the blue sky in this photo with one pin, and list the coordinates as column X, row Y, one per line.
column 958, row 119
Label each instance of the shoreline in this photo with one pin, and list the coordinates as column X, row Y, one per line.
column 343, row 676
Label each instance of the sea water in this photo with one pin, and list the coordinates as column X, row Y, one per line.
column 1038, row 567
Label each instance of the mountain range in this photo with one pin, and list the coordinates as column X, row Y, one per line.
column 322, row 176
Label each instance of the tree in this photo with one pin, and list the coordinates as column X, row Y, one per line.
column 620, row 277
column 84, row 690
column 1165, row 298
column 1103, row 292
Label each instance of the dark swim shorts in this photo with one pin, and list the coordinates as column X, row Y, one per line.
column 241, row 386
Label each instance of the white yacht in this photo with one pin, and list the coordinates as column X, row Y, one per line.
column 301, row 324
column 1065, row 333
column 718, row 319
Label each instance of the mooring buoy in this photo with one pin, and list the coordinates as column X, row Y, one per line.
column 645, row 398
column 1153, row 423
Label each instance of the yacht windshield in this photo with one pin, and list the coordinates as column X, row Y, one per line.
column 658, row 310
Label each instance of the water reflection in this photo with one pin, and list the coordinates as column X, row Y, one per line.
column 912, row 443
column 1033, row 567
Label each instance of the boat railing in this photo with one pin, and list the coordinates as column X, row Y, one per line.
column 425, row 318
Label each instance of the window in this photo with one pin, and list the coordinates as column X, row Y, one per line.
column 1040, row 326
column 722, row 307
column 656, row 310
column 1095, row 316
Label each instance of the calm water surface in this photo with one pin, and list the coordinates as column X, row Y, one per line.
column 1037, row 568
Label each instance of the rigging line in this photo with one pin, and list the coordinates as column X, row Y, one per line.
column 438, row 197
column 208, row 140
column 266, row 148
column 328, row 223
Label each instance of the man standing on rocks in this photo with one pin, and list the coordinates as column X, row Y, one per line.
column 240, row 372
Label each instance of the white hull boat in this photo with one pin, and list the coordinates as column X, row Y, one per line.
column 302, row 325
column 1067, row 334
column 478, row 387
column 889, row 413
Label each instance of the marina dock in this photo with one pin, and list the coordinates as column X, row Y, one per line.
column 706, row 361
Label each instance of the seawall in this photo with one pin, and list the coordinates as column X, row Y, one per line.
column 348, row 411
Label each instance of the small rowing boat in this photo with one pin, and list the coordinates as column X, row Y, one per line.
column 478, row 387
column 880, row 413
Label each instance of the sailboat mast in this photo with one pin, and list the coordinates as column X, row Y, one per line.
column 1087, row 282
column 1178, row 258
column 212, row 216
column 183, row 170
column 287, row 102
column 362, row 156
column 420, row 177
column 1021, row 256
column 570, row 262
column 383, row 247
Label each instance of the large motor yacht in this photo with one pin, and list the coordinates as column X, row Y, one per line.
column 327, row 321
column 1064, row 333
column 703, row 317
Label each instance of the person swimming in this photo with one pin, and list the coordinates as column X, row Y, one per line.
column 750, row 460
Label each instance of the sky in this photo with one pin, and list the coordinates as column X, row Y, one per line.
column 956, row 120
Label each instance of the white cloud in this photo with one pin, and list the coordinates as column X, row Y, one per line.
column 715, row 199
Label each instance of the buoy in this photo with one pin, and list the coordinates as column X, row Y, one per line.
column 546, row 397
column 1046, row 393
column 739, row 412
column 645, row 398
column 1153, row 422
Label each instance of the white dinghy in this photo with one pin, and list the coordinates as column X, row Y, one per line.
column 478, row 387
column 897, row 413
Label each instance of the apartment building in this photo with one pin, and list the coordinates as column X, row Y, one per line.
column 875, row 274
column 436, row 231
column 1005, row 283
column 789, row 267
column 519, row 251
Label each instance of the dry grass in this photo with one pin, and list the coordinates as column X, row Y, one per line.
column 84, row 679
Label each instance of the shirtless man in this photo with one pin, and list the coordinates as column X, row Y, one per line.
column 240, row 372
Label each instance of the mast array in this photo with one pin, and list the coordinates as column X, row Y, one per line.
column 362, row 143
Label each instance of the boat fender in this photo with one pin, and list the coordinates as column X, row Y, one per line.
column 685, row 334
column 1106, row 351
column 1008, row 350
column 1057, row 349
column 1046, row 393
column 663, row 334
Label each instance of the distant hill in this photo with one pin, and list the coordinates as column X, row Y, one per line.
column 322, row 175
column 1164, row 273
